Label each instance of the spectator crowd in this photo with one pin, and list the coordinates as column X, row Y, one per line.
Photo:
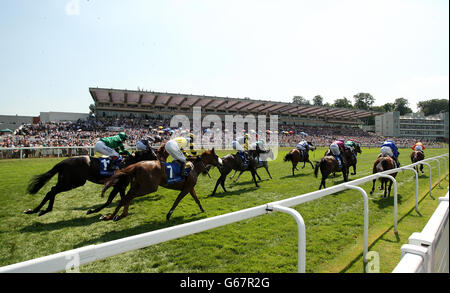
column 88, row 132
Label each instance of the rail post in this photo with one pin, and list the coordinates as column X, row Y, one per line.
column 366, row 219
column 301, row 233
column 417, row 185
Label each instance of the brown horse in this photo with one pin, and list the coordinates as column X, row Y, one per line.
column 384, row 163
column 145, row 177
column 234, row 162
column 329, row 164
column 295, row 156
column 74, row 172
column 352, row 160
column 415, row 157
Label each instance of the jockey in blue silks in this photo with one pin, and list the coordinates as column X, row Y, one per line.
column 389, row 148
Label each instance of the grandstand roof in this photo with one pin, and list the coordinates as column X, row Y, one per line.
column 148, row 98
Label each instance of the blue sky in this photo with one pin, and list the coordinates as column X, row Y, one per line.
column 51, row 53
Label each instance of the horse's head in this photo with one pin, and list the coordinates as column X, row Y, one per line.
column 209, row 158
column 161, row 153
column 358, row 148
column 311, row 146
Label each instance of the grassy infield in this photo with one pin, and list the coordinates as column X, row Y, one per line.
column 264, row 244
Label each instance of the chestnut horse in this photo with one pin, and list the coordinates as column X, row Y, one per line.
column 384, row 163
column 417, row 156
column 75, row 171
column 145, row 177
column 295, row 156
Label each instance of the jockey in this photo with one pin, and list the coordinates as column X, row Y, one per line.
column 110, row 146
column 336, row 148
column 388, row 148
column 175, row 148
column 241, row 145
column 351, row 144
column 303, row 147
column 144, row 144
column 418, row 146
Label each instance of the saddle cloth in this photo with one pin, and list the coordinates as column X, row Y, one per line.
column 105, row 169
column 173, row 172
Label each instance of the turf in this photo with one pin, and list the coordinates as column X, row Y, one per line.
column 263, row 244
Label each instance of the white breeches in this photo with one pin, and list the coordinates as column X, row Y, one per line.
column 386, row 151
column 335, row 149
column 174, row 150
column 237, row 146
column 141, row 146
column 102, row 148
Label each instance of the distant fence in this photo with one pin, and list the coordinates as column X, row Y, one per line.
column 84, row 255
column 428, row 251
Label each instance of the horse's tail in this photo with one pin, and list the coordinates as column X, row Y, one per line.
column 120, row 179
column 288, row 157
column 38, row 181
column 317, row 167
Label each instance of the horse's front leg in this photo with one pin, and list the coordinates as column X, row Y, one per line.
column 373, row 186
column 194, row 195
column 304, row 163
column 234, row 174
column 111, row 196
column 180, row 196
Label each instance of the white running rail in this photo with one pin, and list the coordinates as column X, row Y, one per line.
column 428, row 251
column 84, row 255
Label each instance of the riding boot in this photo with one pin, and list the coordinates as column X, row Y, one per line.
column 182, row 167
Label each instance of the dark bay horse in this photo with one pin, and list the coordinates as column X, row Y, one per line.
column 351, row 160
column 295, row 156
column 145, row 177
column 329, row 164
column 384, row 163
column 260, row 164
column 234, row 162
column 75, row 171
column 415, row 157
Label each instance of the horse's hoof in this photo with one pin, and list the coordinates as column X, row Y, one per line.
column 41, row 213
column 28, row 211
column 168, row 215
column 103, row 218
column 116, row 218
column 89, row 212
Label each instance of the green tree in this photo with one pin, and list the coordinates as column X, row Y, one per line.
column 363, row 101
column 318, row 101
column 401, row 105
column 300, row 100
column 433, row 106
column 342, row 103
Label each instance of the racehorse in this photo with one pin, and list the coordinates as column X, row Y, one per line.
column 383, row 163
column 295, row 156
column 260, row 164
column 146, row 176
column 417, row 156
column 234, row 162
column 75, row 171
column 352, row 159
column 329, row 164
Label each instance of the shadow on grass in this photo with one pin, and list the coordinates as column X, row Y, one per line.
column 384, row 202
column 146, row 227
column 148, row 197
column 233, row 192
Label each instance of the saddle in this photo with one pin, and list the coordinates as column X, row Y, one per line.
column 173, row 172
column 105, row 167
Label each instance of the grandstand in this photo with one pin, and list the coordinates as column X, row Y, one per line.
column 158, row 105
